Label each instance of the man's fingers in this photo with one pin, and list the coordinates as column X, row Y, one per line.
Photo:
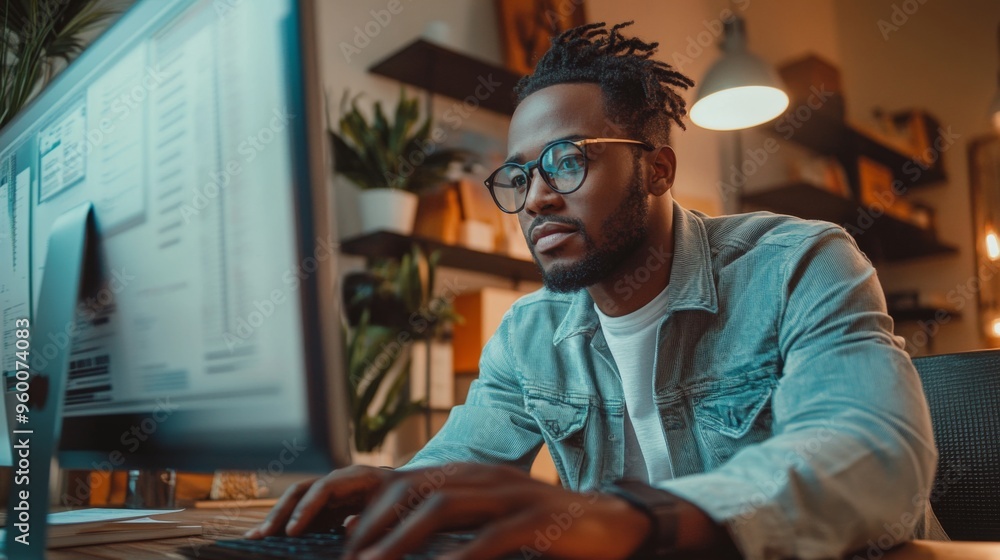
column 279, row 514
column 502, row 538
column 442, row 511
column 347, row 487
column 379, row 516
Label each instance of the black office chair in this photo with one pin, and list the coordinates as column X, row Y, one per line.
column 963, row 391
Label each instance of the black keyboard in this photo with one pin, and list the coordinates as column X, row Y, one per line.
column 312, row 546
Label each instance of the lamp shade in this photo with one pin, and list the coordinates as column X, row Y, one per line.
column 740, row 90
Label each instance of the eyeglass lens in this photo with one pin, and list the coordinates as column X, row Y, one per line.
column 562, row 165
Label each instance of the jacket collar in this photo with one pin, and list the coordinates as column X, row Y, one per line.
column 691, row 286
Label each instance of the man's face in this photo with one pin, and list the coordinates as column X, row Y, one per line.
column 581, row 238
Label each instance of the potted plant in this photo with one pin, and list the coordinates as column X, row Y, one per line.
column 391, row 162
column 34, row 37
column 388, row 308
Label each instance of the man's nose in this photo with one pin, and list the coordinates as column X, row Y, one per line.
column 541, row 198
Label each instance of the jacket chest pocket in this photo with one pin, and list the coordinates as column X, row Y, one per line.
column 730, row 421
column 561, row 421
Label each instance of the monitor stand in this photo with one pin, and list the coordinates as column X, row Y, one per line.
column 36, row 440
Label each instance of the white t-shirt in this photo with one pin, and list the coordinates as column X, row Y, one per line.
column 632, row 341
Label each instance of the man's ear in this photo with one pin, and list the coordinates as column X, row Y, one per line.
column 664, row 166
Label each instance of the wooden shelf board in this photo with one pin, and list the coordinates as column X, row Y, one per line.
column 911, row 172
column 887, row 238
column 825, row 132
column 921, row 314
column 385, row 244
column 443, row 71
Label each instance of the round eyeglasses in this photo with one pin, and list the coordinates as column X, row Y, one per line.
column 562, row 165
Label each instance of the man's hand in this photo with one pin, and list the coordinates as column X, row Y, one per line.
column 510, row 512
column 324, row 501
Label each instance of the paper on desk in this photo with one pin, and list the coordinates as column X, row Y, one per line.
column 79, row 521
column 83, row 520
column 137, row 524
column 102, row 515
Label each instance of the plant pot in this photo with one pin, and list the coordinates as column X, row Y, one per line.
column 384, row 456
column 387, row 209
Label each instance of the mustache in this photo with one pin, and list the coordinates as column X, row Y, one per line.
column 575, row 222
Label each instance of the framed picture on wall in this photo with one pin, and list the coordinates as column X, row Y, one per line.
column 527, row 27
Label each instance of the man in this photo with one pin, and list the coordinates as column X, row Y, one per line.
column 703, row 384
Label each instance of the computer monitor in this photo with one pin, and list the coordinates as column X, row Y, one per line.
column 207, row 334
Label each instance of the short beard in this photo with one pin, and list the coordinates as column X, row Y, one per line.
column 626, row 229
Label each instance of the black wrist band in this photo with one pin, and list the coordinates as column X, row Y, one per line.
column 661, row 508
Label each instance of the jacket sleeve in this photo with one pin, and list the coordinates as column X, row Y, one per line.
column 852, row 458
column 492, row 426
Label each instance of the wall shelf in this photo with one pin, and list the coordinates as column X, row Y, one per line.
column 446, row 72
column 885, row 238
column 385, row 244
column 921, row 314
column 825, row 132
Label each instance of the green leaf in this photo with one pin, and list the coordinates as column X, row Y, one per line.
column 371, row 378
column 432, row 262
column 348, row 162
column 34, row 34
column 381, row 127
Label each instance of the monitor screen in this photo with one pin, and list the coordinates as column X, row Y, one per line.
column 199, row 340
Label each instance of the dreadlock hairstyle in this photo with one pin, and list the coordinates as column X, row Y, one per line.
column 638, row 91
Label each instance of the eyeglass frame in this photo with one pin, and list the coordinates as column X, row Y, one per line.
column 530, row 166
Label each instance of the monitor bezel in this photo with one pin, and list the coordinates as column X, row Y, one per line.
column 95, row 442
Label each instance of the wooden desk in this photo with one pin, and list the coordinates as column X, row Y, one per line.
column 233, row 523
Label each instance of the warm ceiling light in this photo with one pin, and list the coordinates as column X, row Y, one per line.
column 740, row 90
column 992, row 246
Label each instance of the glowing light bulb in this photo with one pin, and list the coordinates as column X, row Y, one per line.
column 992, row 246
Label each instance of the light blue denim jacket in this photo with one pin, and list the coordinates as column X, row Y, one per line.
column 791, row 412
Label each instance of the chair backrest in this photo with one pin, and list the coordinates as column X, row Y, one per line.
column 963, row 392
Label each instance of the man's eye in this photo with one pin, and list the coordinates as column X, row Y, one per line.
column 570, row 164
